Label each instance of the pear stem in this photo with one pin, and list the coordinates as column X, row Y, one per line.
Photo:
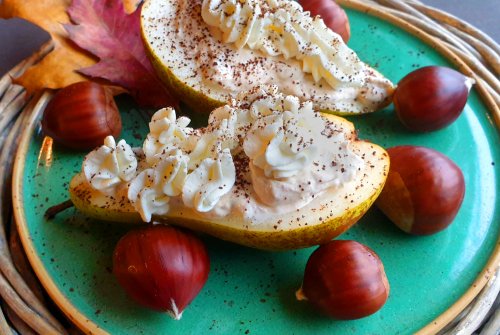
column 51, row 212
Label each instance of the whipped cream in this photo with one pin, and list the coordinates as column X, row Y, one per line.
column 262, row 155
column 172, row 172
column 151, row 190
column 166, row 133
column 284, row 143
column 281, row 27
column 108, row 166
column 146, row 195
column 295, row 153
column 211, row 180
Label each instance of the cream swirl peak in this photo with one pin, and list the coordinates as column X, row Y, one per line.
column 211, row 180
column 146, row 194
column 281, row 27
column 111, row 164
column 172, row 172
column 150, row 191
column 166, row 133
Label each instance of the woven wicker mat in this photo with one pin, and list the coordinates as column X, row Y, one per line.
column 26, row 309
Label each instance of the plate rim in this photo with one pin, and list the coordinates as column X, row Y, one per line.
column 71, row 312
column 89, row 327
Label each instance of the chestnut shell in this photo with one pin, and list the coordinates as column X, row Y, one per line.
column 81, row 115
column 161, row 264
column 431, row 98
column 345, row 280
column 424, row 190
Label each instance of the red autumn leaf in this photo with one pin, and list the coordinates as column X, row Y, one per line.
column 104, row 29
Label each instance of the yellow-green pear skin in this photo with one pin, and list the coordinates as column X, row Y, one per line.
column 194, row 99
column 330, row 214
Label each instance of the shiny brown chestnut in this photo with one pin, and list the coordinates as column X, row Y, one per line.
column 423, row 191
column 332, row 14
column 81, row 115
column 345, row 280
column 161, row 267
column 431, row 98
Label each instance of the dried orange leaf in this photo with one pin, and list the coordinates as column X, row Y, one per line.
column 57, row 69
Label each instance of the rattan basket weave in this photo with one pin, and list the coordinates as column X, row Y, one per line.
column 26, row 309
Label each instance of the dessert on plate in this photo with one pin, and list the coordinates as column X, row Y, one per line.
column 268, row 172
column 210, row 50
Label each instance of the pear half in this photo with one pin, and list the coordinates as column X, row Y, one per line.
column 330, row 213
column 206, row 73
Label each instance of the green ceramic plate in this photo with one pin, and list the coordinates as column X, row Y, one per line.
column 250, row 291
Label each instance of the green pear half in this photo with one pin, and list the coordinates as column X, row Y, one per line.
column 330, row 213
column 206, row 73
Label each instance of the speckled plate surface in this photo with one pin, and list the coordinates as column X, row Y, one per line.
column 250, row 291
